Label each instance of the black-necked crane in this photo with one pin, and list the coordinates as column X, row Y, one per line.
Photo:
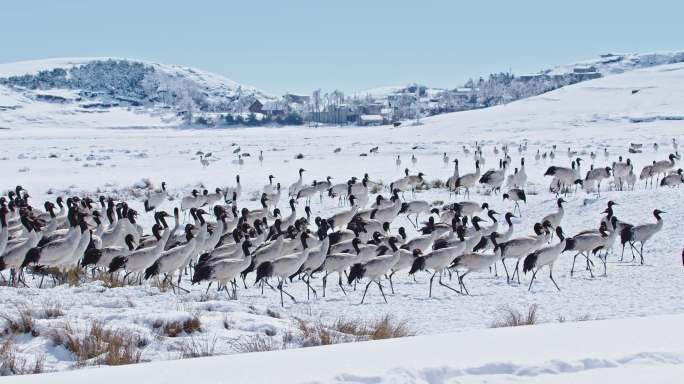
column 673, row 179
column 663, row 166
column 284, row 266
column 297, row 185
column 555, row 218
column 155, row 198
column 224, row 271
column 583, row 243
column 545, row 256
column 305, row 192
column 54, row 251
column 469, row 208
column 373, row 270
column 415, row 207
column 516, row 195
column 337, row 263
column 495, row 178
column 405, row 260
column 520, row 247
column 438, row 261
column 647, row 173
column 596, row 176
column 101, row 258
column 641, row 234
column 341, row 219
column 475, row 262
column 620, row 171
column 468, row 180
column 174, row 259
column 270, row 187
column 563, row 176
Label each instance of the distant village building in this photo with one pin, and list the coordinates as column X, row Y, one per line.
column 585, row 73
column 338, row 115
column 366, row 120
column 274, row 108
column 531, row 77
column 371, row 109
column 584, row 69
column 256, row 107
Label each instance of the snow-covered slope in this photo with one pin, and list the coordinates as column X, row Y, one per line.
column 621, row 101
column 625, row 351
column 610, row 63
column 109, row 92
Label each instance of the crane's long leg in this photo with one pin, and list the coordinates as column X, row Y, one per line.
column 339, row 282
column 280, row 286
column 551, row 277
column 462, row 284
column 572, row 270
column 381, row 291
column 506, row 270
column 366, row 290
column 444, row 285
column 431, row 279
column 532, row 281
column 390, row 281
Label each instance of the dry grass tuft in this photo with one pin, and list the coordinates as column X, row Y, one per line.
column 273, row 314
column 348, row 330
column 386, row 327
column 20, row 324
column 73, row 277
column 12, row 364
column 198, row 347
column 256, row 343
column 52, row 311
column 108, row 280
column 193, row 324
column 99, row 345
column 513, row 318
column 176, row 328
column 161, row 284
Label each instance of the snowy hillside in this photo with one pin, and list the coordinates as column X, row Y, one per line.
column 608, row 64
column 106, row 92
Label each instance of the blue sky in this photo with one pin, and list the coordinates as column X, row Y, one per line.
column 297, row 46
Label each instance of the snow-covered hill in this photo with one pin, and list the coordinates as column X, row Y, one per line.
column 609, row 63
column 108, row 92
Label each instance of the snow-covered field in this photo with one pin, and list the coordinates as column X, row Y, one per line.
column 587, row 352
column 591, row 116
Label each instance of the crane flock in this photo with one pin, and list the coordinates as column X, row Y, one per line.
column 213, row 239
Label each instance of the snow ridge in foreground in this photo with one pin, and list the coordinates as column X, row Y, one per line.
column 625, row 351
